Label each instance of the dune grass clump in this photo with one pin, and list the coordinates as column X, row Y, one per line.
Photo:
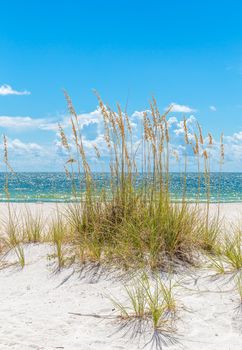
column 134, row 225
column 233, row 251
column 149, row 300
column 13, row 238
column 20, row 255
column 133, row 222
column 32, row 227
column 151, row 237
column 57, row 234
column 210, row 235
column 138, row 307
column 228, row 257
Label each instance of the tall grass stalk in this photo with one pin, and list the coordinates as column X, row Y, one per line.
column 13, row 238
column 58, row 232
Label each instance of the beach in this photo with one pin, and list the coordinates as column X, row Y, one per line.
column 45, row 309
column 120, row 175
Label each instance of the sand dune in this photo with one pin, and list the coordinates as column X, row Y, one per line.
column 38, row 307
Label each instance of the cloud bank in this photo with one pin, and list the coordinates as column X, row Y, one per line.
column 47, row 148
column 8, row 90
column 177, row 108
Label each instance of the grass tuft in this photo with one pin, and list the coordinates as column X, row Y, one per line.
column 58, row 232
column 32, row 228
column 149, row 300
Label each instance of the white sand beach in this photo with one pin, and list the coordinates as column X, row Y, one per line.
column 44, row 309
column 120, row 175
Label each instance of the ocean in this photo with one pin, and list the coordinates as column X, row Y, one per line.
column 55, row 187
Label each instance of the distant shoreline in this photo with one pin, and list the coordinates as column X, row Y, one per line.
column 230, row 212
column 55, row 187
column 44, row 201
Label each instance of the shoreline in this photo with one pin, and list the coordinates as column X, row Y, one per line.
column 228, row 211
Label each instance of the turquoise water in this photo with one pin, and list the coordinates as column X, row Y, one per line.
column 55, row 187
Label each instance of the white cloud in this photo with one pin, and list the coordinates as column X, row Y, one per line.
column 26, row 147
column 22, row 148
column 171, row 121
column 8, row 90
column 15, row 122
column 180, row 108
column 27, row 122
column 213, row 108
column 51, row 152
column 45, row 125
column 85, row 119
column 139, row 114
column 31, row 156
column 178, row 127
column 237, row 136
column 94, row 117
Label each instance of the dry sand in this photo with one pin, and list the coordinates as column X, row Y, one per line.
column 36, row 305
column 231, row 212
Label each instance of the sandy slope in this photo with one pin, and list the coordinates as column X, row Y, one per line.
column 36, row 305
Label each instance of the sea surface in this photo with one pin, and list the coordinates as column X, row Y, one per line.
column 55, row 187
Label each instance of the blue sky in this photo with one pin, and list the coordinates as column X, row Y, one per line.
column 183, row 52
